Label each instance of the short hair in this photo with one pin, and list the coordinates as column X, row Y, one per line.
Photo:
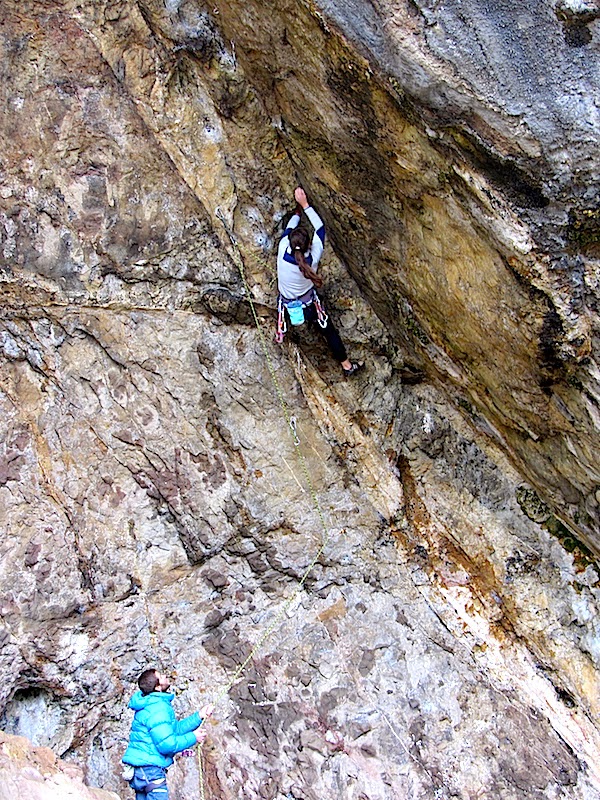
column 148, row 681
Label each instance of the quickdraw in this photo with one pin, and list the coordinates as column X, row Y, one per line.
column 281, row 324
column 321, row 315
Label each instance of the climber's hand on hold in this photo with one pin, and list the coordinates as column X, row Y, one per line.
column 300, row 197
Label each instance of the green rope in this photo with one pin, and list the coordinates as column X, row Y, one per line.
column 292, row 429
column 291, row 425
column 200, row 773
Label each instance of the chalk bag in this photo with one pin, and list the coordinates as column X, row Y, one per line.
column 296, row 312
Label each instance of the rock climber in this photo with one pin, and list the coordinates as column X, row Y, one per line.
column 297, row 261
column 156, row 736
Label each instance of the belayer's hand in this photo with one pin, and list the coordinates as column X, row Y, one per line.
column 300, row 197
column 206, row 711
column 200, row 734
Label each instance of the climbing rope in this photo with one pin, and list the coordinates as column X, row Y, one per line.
column 239, row 262
column 201, row 773
column 263, row 637
column 291, row 423
column 290, row 420
column 292, row 427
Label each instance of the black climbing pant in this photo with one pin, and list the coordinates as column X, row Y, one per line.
column 334, row 342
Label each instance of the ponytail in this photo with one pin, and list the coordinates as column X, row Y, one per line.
column 307, row 270
column 299, row 243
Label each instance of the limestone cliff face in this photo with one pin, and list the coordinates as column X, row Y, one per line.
column 456, row 164
column 154, row 506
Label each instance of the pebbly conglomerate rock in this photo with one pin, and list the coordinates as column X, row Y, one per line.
column 433, row 621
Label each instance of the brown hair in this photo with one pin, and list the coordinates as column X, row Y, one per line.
column 148, row 681
column 299, row 243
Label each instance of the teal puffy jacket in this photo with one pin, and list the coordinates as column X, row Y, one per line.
column 156, row 734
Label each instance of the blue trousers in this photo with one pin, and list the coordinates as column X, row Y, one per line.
column 150, row 783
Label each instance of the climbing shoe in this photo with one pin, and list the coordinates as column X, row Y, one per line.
column 354, row 368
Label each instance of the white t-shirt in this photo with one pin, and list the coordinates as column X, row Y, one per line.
column 292, row 283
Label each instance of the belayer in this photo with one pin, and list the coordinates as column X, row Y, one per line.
column 157, row 735
column 297, row 261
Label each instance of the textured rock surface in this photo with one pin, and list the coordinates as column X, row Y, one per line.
column 456, row 165
column 154, row 507
column 36, row 773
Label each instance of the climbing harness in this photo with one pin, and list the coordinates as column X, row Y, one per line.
column 295, row 309
column 142, row 784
